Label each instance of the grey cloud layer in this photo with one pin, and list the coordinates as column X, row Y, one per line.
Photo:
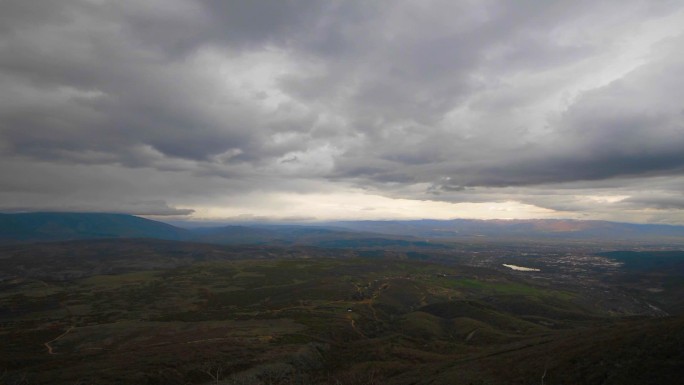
column 429, row 100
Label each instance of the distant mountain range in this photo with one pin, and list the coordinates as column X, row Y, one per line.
column 47, row 227
column 52, row 227
column 459, row 229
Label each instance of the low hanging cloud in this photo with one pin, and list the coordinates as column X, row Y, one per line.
column 153, row 208
column 188, row 104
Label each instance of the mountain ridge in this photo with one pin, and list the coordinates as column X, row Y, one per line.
column 53, row 226
column 46, row 227
column 516, row 228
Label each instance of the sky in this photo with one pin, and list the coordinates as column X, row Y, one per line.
column 305, row 110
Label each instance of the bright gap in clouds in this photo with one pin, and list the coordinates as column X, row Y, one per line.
column 362, row 206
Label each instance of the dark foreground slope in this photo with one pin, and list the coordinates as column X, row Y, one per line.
column 204, row 314
column 630, row 352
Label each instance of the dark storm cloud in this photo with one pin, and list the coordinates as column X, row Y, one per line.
column 633, row 126
column 450, row 100
column 87, row 82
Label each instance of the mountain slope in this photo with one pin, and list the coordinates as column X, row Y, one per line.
column 42, row 227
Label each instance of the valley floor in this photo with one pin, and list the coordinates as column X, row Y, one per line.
column 314, row 320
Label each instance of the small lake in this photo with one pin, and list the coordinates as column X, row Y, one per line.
column 520, row 268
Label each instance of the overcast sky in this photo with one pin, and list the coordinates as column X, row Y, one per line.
column 303, row 110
